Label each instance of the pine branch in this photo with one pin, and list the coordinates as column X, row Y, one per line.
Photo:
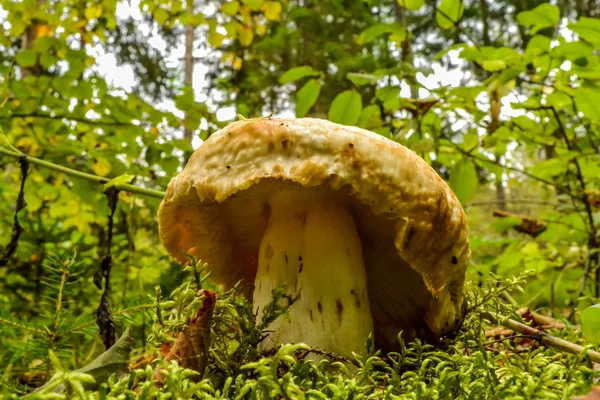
column 21, row 325
column 93, row 322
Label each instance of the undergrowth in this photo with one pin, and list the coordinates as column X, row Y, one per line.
column 468, row 365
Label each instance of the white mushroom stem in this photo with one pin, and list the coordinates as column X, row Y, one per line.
column 312, row 247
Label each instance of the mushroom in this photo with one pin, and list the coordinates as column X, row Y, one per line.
column 358, row 228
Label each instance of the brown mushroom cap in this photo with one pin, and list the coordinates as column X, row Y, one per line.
column 412, row 228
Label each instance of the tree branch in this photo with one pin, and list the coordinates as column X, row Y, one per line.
column 78, row 174
column 586, row 202
column 70, row 118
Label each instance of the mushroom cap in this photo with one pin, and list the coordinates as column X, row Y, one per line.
column 413, row 230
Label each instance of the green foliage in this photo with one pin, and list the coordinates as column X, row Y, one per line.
column 307, row 96
column 463, row 180
column 449, row 13
column 590, row 323
column 462, row 367
column 297, row 73
column 346, row 108
column 543, row 16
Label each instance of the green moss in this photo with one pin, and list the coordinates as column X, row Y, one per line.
column 465, row 366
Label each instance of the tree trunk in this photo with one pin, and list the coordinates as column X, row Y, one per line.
column 188, row 79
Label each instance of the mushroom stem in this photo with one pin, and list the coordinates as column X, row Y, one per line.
column 311, row 246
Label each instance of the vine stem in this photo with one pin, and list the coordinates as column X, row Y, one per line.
column 83, row 175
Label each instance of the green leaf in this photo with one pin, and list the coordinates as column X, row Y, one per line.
column 549, row 168
column 587, row 100
column 543, row 16
column 588, row 29
column 493, row 65
column 296, row 73
column 504, row 224
column 345, row 108
column 361, row 79
column 27, row 58
column 590, row 323
column 102, row 166
column 411, row 4
column 170, row 165
column 470, row 141
column 254, row 5
column 459, row 47
column 377, row 30
column 161, row 15
column 370, row 117
column 558, row 100
column 306, row 97
column 449, row 13
column 230, row 8
column 463, row 180
column 119, row 180
column 113, row 361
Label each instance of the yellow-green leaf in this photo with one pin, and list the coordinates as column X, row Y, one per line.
column 254, row 5
column 245, row 35
column 101, row 167
column 230, row 8
column 93, row 12
column 272, row 10
column 119, row 180
column 411, row 4
column 449, row 13
column 215, row 39
column 588, row 101
column 543, row 16
column 588, row 29
column 590, row 324
column 463, row 180
column 377, row 30
column 361, row 79
column 161, row 15
column 26, row 58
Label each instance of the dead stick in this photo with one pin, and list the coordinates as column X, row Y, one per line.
column 544, row 338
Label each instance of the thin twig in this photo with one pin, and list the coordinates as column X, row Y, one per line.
column 504, row 339
column 586, row 272
column 520, row 171
column 513, row 201
column 78, row 174
column 588, row 207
